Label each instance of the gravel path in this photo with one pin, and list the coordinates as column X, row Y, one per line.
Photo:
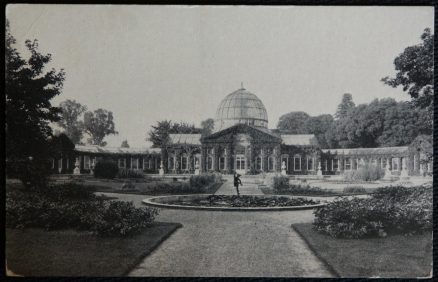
column 231, row 244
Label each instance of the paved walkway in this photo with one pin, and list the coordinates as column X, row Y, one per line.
column 248, row 188
column 231, row 244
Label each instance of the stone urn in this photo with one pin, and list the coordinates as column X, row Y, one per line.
column 319, row 171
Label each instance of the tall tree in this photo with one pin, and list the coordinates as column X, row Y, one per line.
column 415, row 73
column 294, row 123
column 345, row 106
column 29, row 90
column 70, row 120
column 207, row 126
column 319, row 125
column 124, row 144
column 159, row 135
column 99, row 124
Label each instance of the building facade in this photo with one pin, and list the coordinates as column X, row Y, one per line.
column 241, row 142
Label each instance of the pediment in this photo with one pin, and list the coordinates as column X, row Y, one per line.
column 240, row 131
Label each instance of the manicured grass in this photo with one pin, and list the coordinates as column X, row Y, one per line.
column 36, row 252
column 393, row 256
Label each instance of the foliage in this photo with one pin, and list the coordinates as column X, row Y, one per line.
column 124, row 144
column 390, row 210
column 129, row 173
column 345, row 106
column 354, row 190
column 99, row 124
column 159, row 135
column 123, row 218
column 302, row 189
column 33, row 174
column 73, row 127
column 366, row 172
column 294, row 122
column 72, row 206
column 106, row 169
column 199, row 181
column 302, row 123
column 28, row 91
column 246, row 201
column 382, row 122
column 415, row 73
column 207, row 127
column 280, row 182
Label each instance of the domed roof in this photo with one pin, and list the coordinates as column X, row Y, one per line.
column 241, row 106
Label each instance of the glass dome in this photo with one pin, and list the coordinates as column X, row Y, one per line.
column 241, row 106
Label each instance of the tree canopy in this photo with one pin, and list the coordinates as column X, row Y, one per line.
column 70, row 120
column 124, row 144
column 207, row 126
column 29, row 112
column 415, row 73
column 345, row 106
column 97, row 125
column 294, row 123
column 159, row 134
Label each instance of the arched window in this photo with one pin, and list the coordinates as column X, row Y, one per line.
column 209, row 163
column 271, row 165
column 285, row 159
column 184, row 162
column 310, row 164
column 221, row 163
column 297, row 163
column 258, row 163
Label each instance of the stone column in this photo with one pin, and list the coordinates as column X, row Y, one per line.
column 388, row 175
column 339, row 166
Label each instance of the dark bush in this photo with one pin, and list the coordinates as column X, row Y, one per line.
column 203, row 180
column 129, row 173
column 123, row 218
column 390, row 210
column 106, row 169
column 72, row 207
column 354, row 190
column 280, row 182
column 32, row 173
column 282, row 186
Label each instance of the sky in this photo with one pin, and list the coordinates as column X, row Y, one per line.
column 150, row 63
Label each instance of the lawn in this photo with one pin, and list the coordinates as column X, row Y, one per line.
column 394, row 256
column 36, row 252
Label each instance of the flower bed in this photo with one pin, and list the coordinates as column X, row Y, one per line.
column 73, row 206
column 244, row 201
column 390, row 210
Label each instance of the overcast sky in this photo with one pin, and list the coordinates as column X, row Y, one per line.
column 149, row 63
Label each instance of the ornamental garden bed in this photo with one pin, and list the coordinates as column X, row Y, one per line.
column 395, row 256
column 242, row 201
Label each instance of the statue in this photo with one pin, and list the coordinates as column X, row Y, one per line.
column 77, row 170
column 404, row 172
column 197, row 167
column 388, row 175
column 283, row 168
column 161, row 170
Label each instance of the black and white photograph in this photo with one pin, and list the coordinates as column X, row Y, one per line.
column 219, row 141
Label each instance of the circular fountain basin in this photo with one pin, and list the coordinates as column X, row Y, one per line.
column 169, row 203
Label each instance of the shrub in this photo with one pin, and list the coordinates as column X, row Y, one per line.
column 32, row 173
column 390, row 210
column 123, row 218
column 203, row 180
column 70, row 208
column 129, row 173
column 365, row 173
column 354, row 190
column 280, row 182
column 106, row 169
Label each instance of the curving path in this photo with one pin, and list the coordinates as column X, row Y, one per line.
column 231, row 244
